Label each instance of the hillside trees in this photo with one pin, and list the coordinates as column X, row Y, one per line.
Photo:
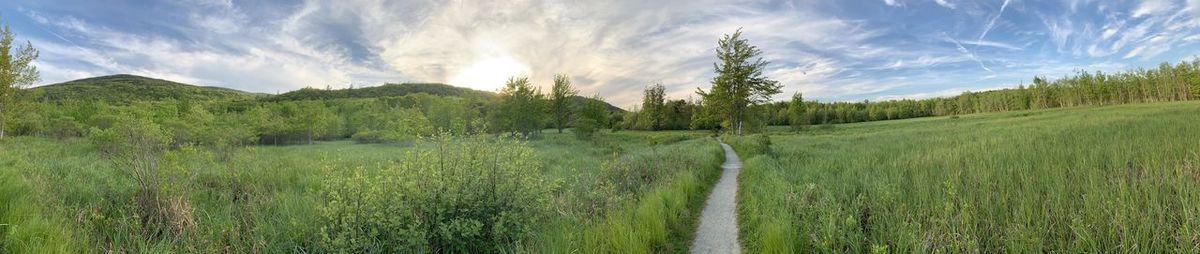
column 560, row 101
column 16, row 73
column 740, row 82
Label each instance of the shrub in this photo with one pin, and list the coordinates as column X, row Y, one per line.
column 140, row 146
column 466, row 194
column 585, row 128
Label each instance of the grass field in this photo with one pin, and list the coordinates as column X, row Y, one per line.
column 625, row 192
column 1090, row 179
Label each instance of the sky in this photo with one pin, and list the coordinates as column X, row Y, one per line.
column 834, row 50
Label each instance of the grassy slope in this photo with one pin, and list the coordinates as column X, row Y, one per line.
column 264, row 199
column 1094, row 179
column 129, row 88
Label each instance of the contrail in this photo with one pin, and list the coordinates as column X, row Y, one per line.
column 992, row 22
column 970, row 54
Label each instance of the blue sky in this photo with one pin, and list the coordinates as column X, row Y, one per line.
column 830, row 50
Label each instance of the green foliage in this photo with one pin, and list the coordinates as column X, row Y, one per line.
column 392, row 126
column 1100, row 179
column 472, row 194
column 796, row 112
column 17, row 72
column 561, row 106
column 651, row 115
column 585, row 128
column 593, row 116
column 739, row 83
column 521, row 109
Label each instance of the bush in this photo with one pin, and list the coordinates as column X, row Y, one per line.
column 585, row 128
column 466, row 194
column 381, row 137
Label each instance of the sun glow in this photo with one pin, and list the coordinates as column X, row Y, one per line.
column 490, row 74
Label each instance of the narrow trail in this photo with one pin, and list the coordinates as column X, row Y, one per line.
column 718, row 231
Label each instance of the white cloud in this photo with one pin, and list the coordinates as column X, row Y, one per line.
column 893, row 3
column 1151, row 7
column 947, row 3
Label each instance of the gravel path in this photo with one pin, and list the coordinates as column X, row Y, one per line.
column 718, row 231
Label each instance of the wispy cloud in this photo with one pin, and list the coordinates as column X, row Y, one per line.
column 830, row 50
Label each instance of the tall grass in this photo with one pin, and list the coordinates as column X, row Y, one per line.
column 622, row 191
column 633, row 192
column 1097, row 179
column 23, row 229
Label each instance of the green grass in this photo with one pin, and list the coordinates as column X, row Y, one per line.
column 1090, row 179
column 629, row 190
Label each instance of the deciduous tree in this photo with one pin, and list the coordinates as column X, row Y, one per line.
column 16, row 73
column 740, row 81
column 560, row 101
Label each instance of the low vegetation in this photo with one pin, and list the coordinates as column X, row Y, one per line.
column 1095, row 179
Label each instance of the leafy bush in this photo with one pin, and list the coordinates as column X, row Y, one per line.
column 466, row 194
column 585, row 128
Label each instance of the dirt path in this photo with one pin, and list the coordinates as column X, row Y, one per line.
column 718, row 231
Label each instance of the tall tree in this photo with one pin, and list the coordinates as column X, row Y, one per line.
column 796, row 110
column 740, row 81
column 652, row 108
column 521, row 107
column 560, row 101
column 16, row 73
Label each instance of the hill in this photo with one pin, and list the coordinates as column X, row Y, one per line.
column 392, row 90
column 386, row 90
column 124, row 88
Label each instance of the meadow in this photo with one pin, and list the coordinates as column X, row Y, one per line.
column 619, row 192
column 1078, row 180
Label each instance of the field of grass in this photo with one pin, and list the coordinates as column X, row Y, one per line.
column 1088, row 179
column 625, row 192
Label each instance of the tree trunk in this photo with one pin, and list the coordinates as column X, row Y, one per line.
column 310, row 134
column 2, row 122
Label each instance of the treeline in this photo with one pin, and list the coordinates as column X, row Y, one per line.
column 1178, row 82
column 1168, row 82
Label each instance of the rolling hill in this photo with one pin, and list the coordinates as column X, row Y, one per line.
column 386, row 90
column 124, row 88
column 391, row 90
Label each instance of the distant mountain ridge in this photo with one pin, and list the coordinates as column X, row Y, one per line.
column 126, row 88
column 386, row 90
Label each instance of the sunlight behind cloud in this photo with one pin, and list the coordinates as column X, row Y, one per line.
column 490, row 74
